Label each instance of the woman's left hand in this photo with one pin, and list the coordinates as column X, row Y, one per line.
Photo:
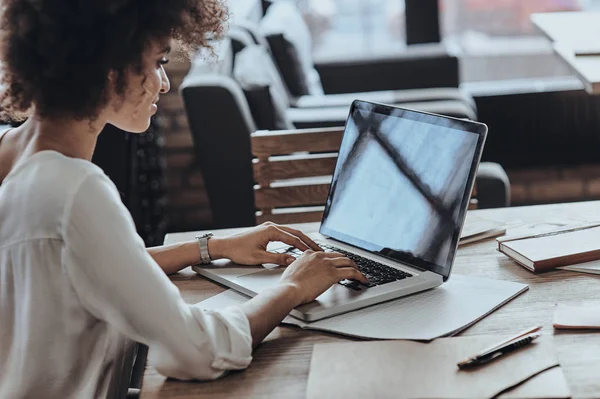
column 250, row 247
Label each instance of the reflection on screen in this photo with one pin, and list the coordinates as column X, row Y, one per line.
column 399, row 184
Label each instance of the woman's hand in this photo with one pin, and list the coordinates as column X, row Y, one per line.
column 303, row 281
column 250, row 247
column 314, row 272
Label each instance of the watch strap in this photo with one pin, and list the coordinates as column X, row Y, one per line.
column 203, row 243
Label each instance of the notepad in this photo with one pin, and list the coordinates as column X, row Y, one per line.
column 586, row 316
column 407, row 369
column 442, row 311
column 550, row 250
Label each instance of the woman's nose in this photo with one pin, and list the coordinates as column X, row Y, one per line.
column 165, row 83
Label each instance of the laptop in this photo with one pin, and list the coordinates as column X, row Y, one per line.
column 396, row 206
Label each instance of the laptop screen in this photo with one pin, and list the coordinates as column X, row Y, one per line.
column 402, row 183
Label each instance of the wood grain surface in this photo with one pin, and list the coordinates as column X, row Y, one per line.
column 267, row 143
column 281, row 363
column 301, row 195
column 294, row 166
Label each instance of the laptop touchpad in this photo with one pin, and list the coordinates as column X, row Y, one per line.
column 262, row 280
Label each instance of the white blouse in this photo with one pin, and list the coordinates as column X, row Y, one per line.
column 76, row 284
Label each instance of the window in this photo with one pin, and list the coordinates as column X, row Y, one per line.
column 496, row 39
column 355, row 27
column 498, row 17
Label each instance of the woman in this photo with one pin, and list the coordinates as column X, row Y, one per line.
column 75, row 279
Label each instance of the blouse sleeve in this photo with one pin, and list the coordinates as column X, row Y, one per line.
column 117, row 281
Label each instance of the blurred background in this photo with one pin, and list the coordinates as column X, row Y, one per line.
column 495, row 38
column 296, row 64
column 544, row 127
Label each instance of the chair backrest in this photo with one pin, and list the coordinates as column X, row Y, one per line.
column 293, row 169
column 220, row 121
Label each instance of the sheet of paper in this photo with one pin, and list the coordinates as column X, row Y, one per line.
column 482, row 236
column 442, row 311
column 475, row 225
column 408, row 369
column 584, row 316
column 553, row 379
column 519, row 228
column 592, row 267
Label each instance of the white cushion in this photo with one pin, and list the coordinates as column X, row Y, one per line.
column 266, row 94
column 284, row 17
column 254, row 68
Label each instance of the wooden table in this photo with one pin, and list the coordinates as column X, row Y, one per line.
column 569, row 30
column 281, row 364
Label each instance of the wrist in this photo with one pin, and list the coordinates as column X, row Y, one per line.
column 292, row 293
column 215, row 248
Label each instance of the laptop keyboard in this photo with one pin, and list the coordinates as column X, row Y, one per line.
column 377, row 273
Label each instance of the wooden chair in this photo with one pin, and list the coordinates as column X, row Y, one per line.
column 293, row 170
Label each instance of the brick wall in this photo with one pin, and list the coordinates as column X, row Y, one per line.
column 187, row 204
column 555, row 184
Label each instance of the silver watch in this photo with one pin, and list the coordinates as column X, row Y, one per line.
column 203, row 242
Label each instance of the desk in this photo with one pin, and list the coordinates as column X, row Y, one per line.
column 281, row 363
column 568, row 30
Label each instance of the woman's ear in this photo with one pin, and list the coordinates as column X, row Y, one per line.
column 112, row 76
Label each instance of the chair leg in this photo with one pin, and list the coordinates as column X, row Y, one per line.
column 139, row 366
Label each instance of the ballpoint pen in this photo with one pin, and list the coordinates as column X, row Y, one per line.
column 500, row 350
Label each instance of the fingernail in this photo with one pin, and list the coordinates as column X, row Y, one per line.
column 289, row 260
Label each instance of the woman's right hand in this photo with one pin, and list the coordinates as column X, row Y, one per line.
column 314, row 272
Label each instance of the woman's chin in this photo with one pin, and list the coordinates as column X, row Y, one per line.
column 141, row 129
column 135, row 127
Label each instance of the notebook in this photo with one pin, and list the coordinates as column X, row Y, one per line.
column 442, row 311
column 408, row 369
column 586, row 316
column 550, row 250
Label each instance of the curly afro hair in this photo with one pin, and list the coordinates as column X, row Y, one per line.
column 57, row 54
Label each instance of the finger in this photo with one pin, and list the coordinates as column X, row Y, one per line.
column 333, row 255
column 350, row 274
column 278, row 259
column 313, row 245
column 342, row 262
column 276, row 234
